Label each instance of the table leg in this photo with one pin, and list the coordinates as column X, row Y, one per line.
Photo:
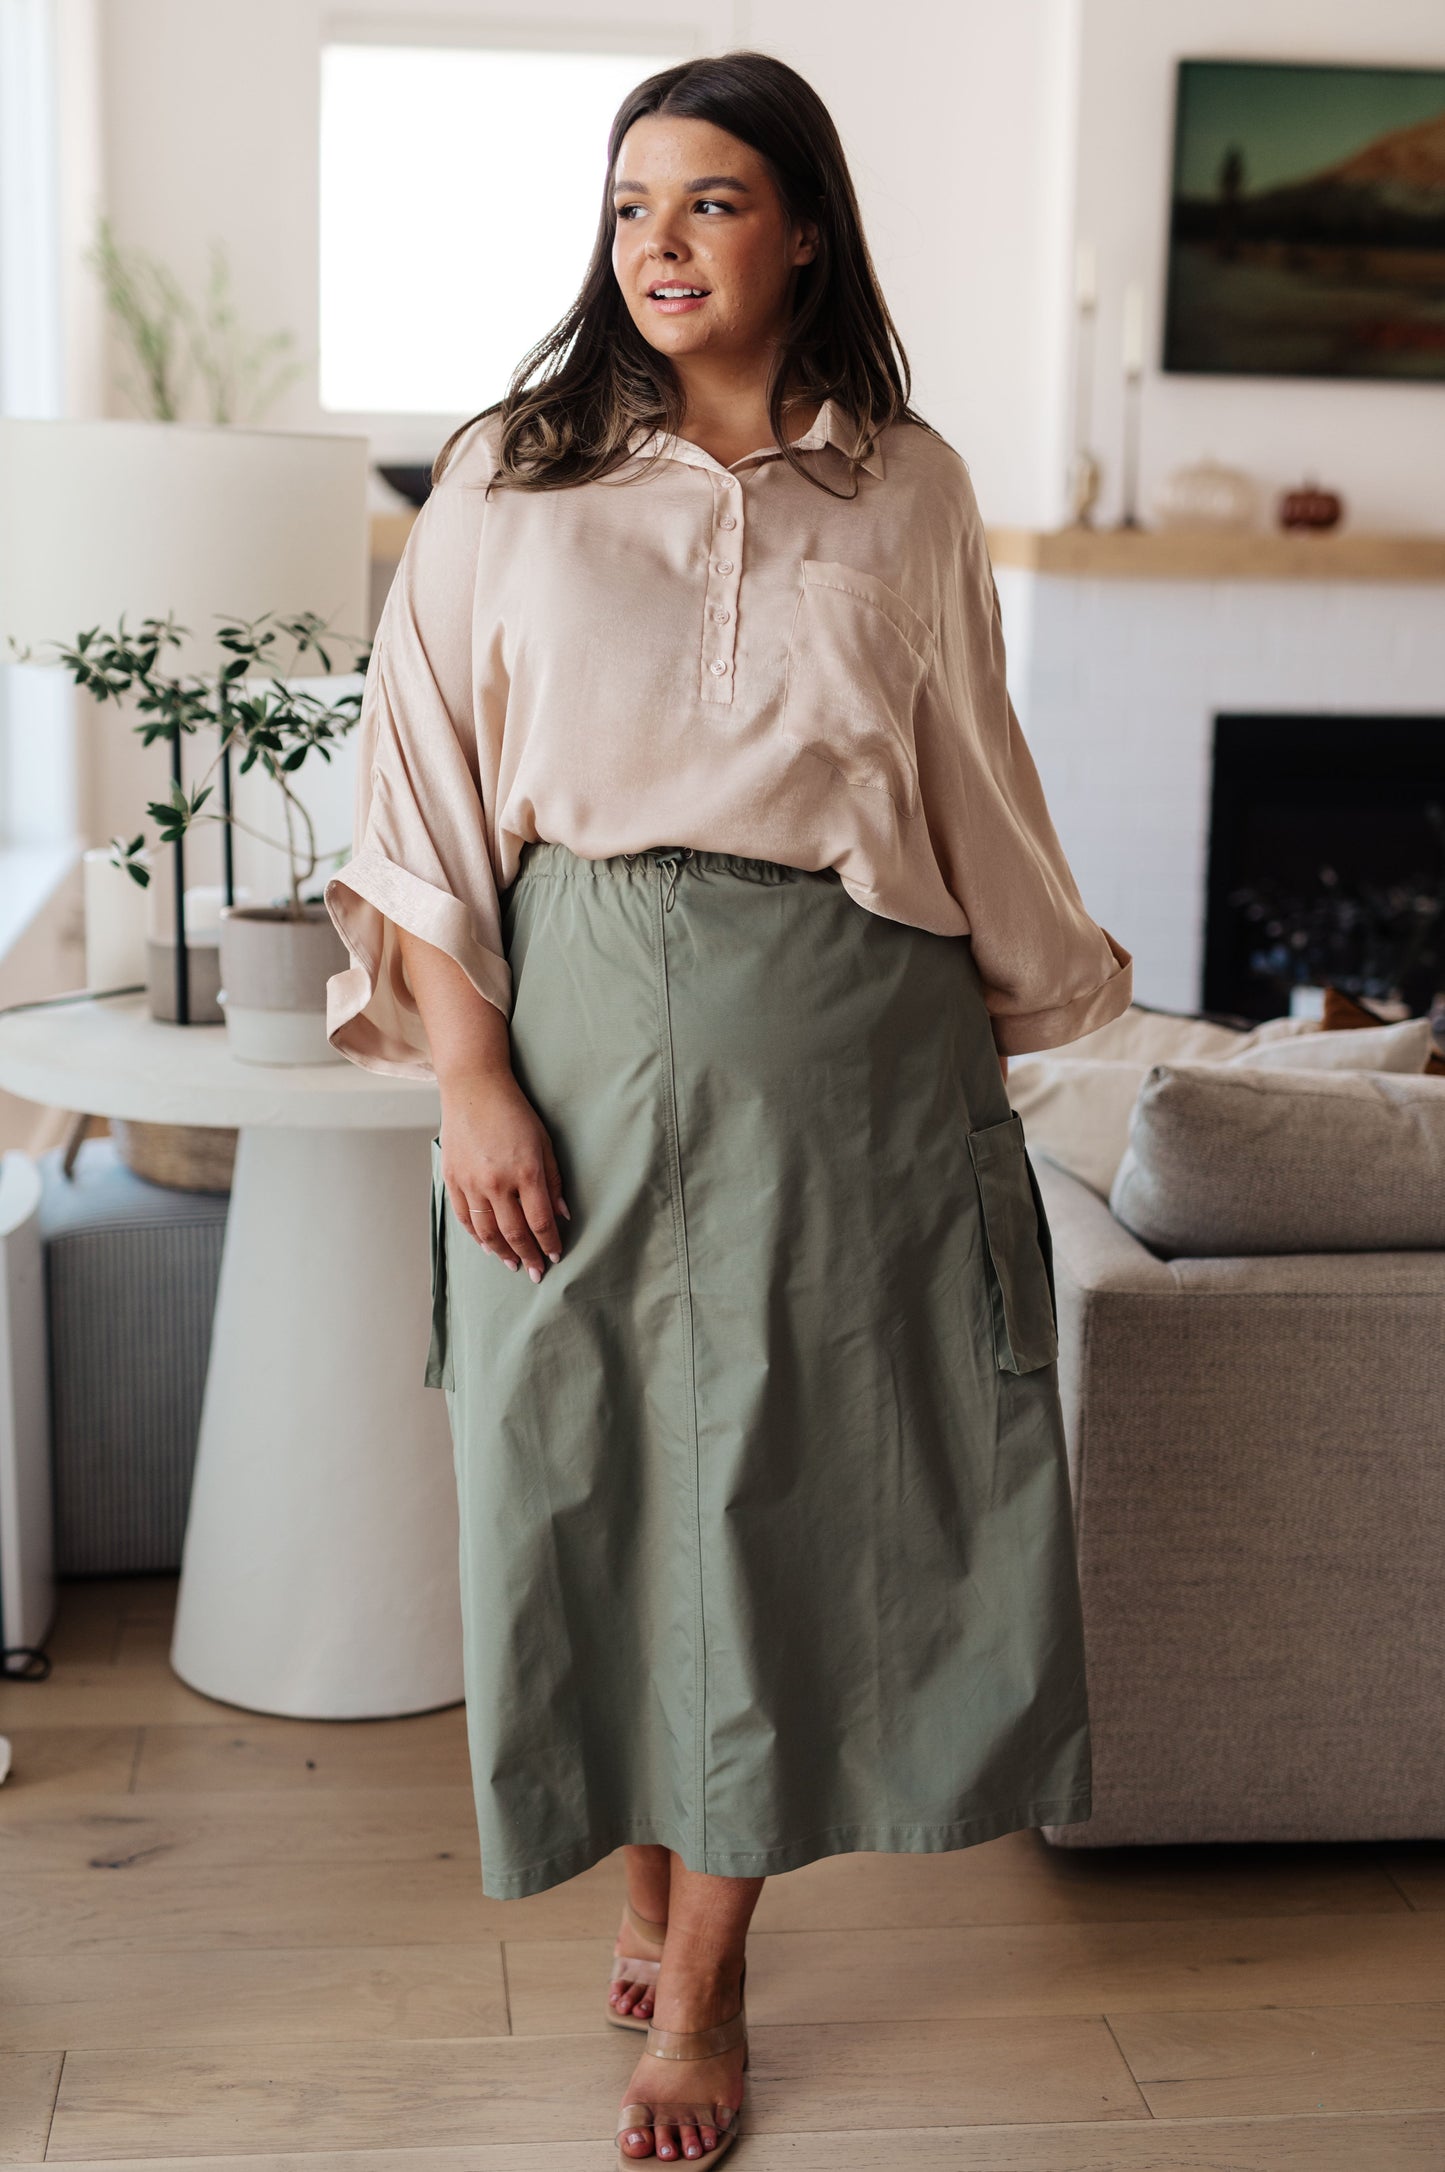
column 319, row 1573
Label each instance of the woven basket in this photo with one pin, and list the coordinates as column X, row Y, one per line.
column 186, row 1157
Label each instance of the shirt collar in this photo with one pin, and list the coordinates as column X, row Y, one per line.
column 831, row 427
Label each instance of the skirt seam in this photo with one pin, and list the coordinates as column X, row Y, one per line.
column 689, row 1358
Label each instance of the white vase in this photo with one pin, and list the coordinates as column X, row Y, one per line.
column 274, row 970
column 1208, row 495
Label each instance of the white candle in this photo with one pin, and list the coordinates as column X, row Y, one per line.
column 203, row 905
column 1086, row 291
column 115, row 922
column 203, row 909
column 1133, row 328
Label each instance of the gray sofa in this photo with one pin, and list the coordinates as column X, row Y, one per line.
column 1257, row 1453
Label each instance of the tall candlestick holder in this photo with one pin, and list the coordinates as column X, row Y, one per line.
column 1133, row 395
column 1133, row 344
column 1085, row 474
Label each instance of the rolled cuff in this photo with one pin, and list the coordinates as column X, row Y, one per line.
column 1020, row 1033
column 371, row 1014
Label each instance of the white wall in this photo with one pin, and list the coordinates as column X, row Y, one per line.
column 50, row 324
column 49, row 169
column 957, row 117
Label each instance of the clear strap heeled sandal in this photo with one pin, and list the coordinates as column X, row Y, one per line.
column 722, row 2118
column 634, row 1968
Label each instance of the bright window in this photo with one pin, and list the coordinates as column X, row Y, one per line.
column 460, row 191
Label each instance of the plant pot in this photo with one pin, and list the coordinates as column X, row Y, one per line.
column 274, row 969
column 203, row 981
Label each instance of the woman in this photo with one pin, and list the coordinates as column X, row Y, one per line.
column 703, row 865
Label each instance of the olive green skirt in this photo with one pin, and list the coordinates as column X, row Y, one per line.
column 767, row 1545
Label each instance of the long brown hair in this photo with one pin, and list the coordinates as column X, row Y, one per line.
column 599, row 378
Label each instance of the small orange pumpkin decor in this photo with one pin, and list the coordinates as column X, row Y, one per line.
column 1310, row 507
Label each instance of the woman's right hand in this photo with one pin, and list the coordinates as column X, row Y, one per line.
column 500, row 1170
column 498, row 1165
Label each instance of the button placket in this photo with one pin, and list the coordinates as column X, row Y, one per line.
column 720, row 596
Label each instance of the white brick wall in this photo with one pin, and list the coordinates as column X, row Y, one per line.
column 1117, row 683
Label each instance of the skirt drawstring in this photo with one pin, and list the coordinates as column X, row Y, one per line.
column 683, row 853
column 675, row 854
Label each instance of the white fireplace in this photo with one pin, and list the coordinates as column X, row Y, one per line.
column 1117, row 675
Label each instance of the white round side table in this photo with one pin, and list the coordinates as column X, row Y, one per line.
column 319, row 1573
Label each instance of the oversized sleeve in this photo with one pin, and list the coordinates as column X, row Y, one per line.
column 421, row 855
column 1050, row 972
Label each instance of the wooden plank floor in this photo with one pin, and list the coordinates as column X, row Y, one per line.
column 228, row 1941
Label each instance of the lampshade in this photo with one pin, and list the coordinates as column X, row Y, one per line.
column 190, row 519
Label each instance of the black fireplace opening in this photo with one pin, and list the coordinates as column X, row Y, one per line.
column 1326, row 861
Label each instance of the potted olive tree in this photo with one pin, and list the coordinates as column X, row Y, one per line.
column 275, row 958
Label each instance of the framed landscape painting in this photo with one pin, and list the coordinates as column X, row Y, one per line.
column 1307, row 222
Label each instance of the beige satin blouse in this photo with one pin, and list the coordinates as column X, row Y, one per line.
column 722, row 657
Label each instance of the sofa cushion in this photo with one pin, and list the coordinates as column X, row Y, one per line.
column 1076, row 1101
column 1402, row 1047
column 1341, row 1012
column 1229, row 1159
column 1144, row 1036
column 1077, row 1113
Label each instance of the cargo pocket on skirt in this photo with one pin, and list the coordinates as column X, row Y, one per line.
column 439, row 1356
column 1020, row 1249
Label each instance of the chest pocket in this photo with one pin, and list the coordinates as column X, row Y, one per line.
column 858, row 655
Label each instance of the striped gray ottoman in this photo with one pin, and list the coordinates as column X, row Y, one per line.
column 130, row 1275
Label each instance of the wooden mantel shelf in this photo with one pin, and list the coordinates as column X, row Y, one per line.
column 1177, row 554
column 1161, row 554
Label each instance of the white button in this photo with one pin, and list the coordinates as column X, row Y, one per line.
column 717, row 667
column 729, row 481
column 722, row 617
column 727, row 521
column 724, row 565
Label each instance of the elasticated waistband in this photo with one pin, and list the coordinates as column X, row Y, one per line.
column 541, row 859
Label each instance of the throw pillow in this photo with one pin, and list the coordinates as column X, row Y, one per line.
column 1402, row 1047
column 1076, row 1101
column 1230, row 1159
column 1343, row 1012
